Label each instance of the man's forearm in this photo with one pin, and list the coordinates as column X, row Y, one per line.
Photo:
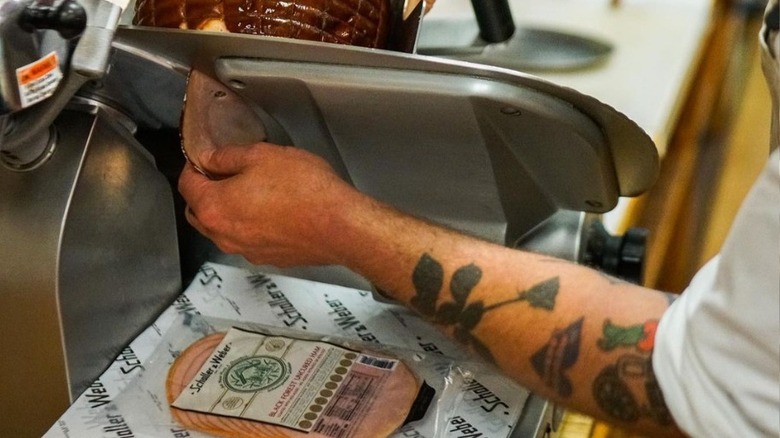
column 564, row 331
column 561, row 330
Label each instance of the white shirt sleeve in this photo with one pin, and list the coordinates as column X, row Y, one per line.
column 717, row 348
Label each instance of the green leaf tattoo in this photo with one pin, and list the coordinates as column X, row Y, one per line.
column 428, row 280
column 542, row 295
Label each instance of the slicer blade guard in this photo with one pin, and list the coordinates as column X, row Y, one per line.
column 486, row 150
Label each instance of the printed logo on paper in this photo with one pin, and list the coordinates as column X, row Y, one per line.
column 256, row 373
column 273, row 345
column 231, row 403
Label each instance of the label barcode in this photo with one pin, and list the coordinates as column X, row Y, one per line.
column 333, row 430
column 386, row 364
column 354, row 396
column 340, row 413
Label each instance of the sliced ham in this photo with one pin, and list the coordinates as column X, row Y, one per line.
column 384, row 415
column 214, row 116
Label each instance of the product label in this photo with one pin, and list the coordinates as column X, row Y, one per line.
column 303, row 385
column 39, row 79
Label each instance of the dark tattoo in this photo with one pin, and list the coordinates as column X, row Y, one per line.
column 463, row 281
column 611, row 389
column 428, row 280
column 614, row 396
column 428, row 277
column 559, row 354
column 612, row 392
column 541, row 295
column 657, row 408
column 641, row 336
column 464, row 317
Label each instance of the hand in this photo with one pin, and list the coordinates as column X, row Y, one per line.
column 272, row 204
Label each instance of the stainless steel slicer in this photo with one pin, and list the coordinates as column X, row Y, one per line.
column 92, row 243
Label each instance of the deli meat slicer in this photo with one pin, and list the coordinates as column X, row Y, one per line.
column 92, row 241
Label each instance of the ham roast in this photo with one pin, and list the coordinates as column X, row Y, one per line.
column 384, row 416
column 354, row 22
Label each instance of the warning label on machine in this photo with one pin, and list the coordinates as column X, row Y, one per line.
column 39, row 79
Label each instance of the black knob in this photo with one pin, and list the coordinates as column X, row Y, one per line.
column 620, row 256
column 494, row 19
column 69, row 18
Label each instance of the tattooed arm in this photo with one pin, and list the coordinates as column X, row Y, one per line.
column 564, row 331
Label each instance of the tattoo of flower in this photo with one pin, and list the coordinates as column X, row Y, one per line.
column 428, row 280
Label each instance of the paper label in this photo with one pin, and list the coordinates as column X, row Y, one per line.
column 38, row 80
column 303, row 385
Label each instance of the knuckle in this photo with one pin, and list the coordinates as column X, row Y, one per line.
column 209, row 216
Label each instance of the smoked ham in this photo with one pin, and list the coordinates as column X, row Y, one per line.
column 384, row 415
column 353, row 22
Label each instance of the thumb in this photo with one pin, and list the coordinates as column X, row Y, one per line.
column 225, row 160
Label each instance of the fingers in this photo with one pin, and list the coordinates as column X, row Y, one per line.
column 192, row 184
column 193, row 187
column 192, row 218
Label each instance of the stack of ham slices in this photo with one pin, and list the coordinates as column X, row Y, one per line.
column 383, row 416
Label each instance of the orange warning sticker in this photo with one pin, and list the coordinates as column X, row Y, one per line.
column 31, row 72
column 39, row 79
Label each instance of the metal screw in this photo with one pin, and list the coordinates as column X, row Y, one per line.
column 594, row 204
column 510, row 111
column 235, row 83
column 95, row 84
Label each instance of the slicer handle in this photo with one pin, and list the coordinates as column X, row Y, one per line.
column 69, row 18
column 494, row 19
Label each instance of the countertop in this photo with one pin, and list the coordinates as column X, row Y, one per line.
column 656, row 46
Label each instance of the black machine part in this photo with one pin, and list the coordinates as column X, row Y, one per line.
column 582, row 237
column 620, row 256
column 68, row 18
column 495, row 20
